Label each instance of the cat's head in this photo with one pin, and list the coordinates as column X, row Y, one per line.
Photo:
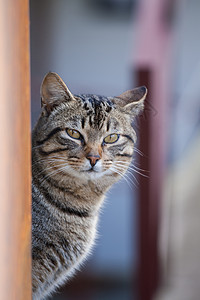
column 86, row 136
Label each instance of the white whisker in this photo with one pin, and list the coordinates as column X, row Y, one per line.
column 131, row 168
column 46, row 170
column 51, row 159
column 139, row 152
column 121, row 174
column 135, row 170
column 131, row 173
column 119, row 170
column 35, row 147
column 53, row 173
column 140, row 169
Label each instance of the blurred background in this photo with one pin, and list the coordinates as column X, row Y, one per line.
column 148, row 245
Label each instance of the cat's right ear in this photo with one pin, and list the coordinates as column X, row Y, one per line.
column 132, row 101
column 53, row 91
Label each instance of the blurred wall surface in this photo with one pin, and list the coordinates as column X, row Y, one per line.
column 89, row 46
column 180, row 225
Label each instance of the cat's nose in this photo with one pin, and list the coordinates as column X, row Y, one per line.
column 93, row 159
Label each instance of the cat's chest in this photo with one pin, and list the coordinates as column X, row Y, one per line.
column 66, row 229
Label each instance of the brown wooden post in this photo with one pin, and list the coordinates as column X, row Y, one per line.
column 15, row 170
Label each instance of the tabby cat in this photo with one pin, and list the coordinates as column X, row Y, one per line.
column 81, row 145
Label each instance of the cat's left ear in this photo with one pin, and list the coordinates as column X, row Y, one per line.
column 132, row 100
column 53, row 90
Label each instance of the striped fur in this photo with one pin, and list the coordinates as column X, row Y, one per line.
column 67, row 190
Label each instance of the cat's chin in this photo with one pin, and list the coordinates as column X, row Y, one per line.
column 91, row 174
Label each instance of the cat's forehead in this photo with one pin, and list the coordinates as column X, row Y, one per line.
column 95, row 109
column 94, row 103
column 89, row 111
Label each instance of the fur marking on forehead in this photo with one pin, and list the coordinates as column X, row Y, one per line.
column 97, row 108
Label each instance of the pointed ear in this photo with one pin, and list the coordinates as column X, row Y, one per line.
column 132, row 100
column 53, row 90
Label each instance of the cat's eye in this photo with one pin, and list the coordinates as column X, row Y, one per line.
column 111, row 138
column 73, row 133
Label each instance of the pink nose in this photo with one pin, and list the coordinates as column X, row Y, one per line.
column 93, row 159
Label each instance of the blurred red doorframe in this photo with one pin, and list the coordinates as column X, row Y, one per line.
column 15, row 170
column 152, row 69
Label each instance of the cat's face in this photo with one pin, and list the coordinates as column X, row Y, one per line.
column 86, row 136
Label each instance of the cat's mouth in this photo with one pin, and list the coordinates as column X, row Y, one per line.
column 91, row 170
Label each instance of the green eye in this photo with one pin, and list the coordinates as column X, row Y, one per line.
column 73, row 133
column 111, row 138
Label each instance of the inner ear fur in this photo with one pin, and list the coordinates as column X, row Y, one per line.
column 53, row 90
column 132, row 100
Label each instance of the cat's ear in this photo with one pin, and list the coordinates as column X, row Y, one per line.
column 132, row 100
column 53, row 90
